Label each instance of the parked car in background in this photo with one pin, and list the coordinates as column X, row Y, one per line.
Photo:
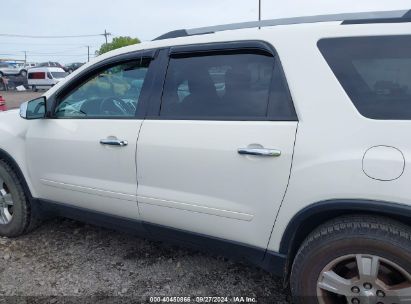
column 44, row 77
column 7, row 69
column 3, row 106
column 71, row 67
column 23, row 67
column 30, row 65
column 52, row 64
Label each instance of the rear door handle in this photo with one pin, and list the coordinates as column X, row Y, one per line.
column 114, row 142
column 259, row 152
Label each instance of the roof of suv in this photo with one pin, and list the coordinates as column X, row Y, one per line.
column 315, row 26
column 240, row 31
column 347, row 18
column 247, row 30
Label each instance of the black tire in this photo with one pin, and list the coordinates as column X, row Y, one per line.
column 345, row 236
column 34, row 89
column 11, row 86
column 26, row 215
column 23, row 73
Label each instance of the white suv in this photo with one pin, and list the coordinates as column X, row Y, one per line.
column 286, row 146
column 8, row 69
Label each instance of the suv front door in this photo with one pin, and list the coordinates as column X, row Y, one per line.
column 84, row 155
column 197, row 155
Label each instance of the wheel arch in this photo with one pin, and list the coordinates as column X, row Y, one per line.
column 312, row 216
column 12, row 163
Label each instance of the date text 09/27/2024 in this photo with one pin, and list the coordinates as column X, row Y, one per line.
column 239, row 299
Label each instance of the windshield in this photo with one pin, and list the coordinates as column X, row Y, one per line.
column 59, row 74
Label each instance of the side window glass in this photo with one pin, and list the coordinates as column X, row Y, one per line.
column 281, row 107
column 375, row 72
column 232, row 86
column 183, row 90
column 113, row 92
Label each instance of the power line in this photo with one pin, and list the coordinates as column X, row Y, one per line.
column 41, row 55
column 52, row 53
column 43, row 44
column 64, row 52
column 57, row 52
column 48, row 37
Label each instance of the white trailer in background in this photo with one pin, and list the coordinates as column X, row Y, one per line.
column 44, row 77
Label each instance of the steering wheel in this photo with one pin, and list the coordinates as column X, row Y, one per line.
column 113, row 106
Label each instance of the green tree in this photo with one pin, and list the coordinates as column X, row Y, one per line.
column 117, row 42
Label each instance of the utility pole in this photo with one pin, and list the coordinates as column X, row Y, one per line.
column 259, row 12
column 106, row 34
column 25, row 57
column 88, row 53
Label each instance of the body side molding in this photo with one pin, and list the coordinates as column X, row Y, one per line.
column 270, row 261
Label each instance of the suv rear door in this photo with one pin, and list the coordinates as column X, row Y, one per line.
column 197, row 154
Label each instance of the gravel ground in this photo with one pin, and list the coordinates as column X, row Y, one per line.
column 66, row 261
column 14, row 98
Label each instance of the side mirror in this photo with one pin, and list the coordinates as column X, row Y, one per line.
column 33, row 109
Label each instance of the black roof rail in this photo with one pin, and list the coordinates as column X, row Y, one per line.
column 346, row 18
column 173, row 34
column 405, row 18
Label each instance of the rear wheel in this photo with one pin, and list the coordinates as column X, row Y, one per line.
column 17, row 214
column 359, row 259
column 23, row 73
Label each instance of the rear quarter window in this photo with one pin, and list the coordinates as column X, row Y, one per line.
column 375, row 72
column 59, row 74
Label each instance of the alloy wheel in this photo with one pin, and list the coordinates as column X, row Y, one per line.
column 363, row 278
column 6, row 204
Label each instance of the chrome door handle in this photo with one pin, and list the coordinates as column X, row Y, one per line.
column 114, row 142
column 259, row 152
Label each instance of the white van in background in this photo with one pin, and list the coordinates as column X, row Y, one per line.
column 44, row 77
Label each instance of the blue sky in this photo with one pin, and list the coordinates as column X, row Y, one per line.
column 140, row 18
